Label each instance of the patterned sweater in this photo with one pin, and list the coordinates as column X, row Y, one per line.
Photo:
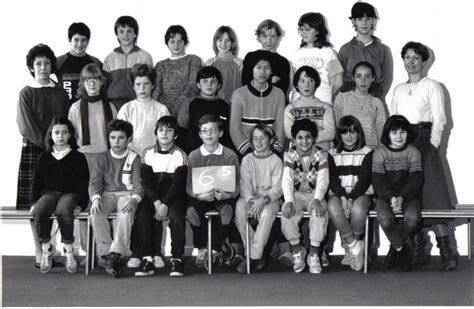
column 305, row 174
column 397, row 172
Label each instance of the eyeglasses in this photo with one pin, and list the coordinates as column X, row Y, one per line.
column 208, row 131
column 304, row 29
column 91, row 80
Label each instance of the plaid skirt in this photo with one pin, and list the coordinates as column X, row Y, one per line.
column 434, row 194
column 29, row 157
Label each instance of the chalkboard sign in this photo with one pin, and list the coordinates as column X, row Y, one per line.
column 213, row 177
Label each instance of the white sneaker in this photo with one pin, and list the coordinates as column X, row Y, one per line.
column 201, row 258
column 133, row 262
column 346, row 260
column 46, row 261
column 298, row 260
column 158, row 261
column 357, row 255
column 71, row 263
column 314, row 264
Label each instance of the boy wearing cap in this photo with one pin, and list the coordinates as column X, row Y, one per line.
column 366, row 47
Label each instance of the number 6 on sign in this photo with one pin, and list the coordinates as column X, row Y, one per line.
column 213, row 177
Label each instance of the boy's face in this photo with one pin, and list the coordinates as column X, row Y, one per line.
column 364, row 25
column 79, row 44
column 210, row 133
column 176, row 45
column 224, row 44
column 269, row 39
column 119, row 141
column 363, row 78
column 126, row 36
column 208, row 87
column 304, row 141
column 413, row 62
column 166, row 136
column 42, row 69
column 143, row 87
column 306, row 85
column 93, row 86
column 262, row 71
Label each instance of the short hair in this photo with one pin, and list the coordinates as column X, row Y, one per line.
column 269, row 24
column 127, row 21
column 365, row 64
column 48, row 140
column 418, row 48
column 176, row 29
column 310, row 72
column 260, row 55
column 318, row 22
column 168, row 122
column 142, row 70
column 346, row 124
column 211, row 118
column 267, row 130
column 208, row 72
column 120, row 125
column 79, row 28
column 91, row 70
column 234, row 47
column 361, row 9
column 304, row 124
column 396, row 122
column 40, row 50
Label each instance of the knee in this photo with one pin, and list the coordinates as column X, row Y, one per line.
column 226, row 214
column 334, row 206
column 192, row 216
column 175, row 217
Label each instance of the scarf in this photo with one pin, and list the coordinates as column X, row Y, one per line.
column 84, row 110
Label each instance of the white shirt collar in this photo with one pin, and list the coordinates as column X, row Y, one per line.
column 35, row 84
column 116, row 156
column 205, row 153
column 59, row 154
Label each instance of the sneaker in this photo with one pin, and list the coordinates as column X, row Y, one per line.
column 228, row 252
column 133, row 262
column 201, row 258
column 146, row 269
column 177, row 268
column 71, row 263
column 112, row 264
column 46, row 261
column 391, row 260
column 217, row 259
column 158, row 261
column 255, row 265
column 286, row 258
column 235, row 261
column 298, row 260
column 405, row 258
column 314, row 264
column 346, row 260
column 357, row 255
column 325, row 259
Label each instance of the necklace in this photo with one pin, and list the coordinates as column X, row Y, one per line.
column 412, row 87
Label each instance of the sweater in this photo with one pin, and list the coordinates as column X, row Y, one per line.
column 143, row 116
column 69, row 72
column 369, row 110
column 106, row 176
column 350, row 172
column 261, row 176
column 164, row 175
column 317, row 111
column 176, row 81
column 118, row 67
column 305, row 174
column 37, row 106
column 424, row 104
column 397, row 172
column 375, row 53
column 324, row 60
column 192, row 111
column 201, row 157
column 67, row 175
column 231, row 71
column 251, row 106
column 97, row 126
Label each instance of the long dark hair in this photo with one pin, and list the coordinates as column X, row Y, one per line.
column 349, row 124
column 48, row 139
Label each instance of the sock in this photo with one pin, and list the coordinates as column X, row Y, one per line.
column 68, row 247
column 295, row 248
column 313, row 250
column 352, row 244
column 148, row 258
column 46, row 246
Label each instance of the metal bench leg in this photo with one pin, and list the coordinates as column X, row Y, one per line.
column 247, row 245
column 209, row 244
column 366, row 240
column 469, row 238
column 88, row 246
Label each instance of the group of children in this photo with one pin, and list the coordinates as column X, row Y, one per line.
column 247, row 138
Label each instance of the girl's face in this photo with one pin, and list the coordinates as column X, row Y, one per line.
column 306, row 85
column 261, row 72
column 126, row 36
column 269, row 39
column 364, row 25
column 349, row 139
column 143, row 87
column 165, row 137
column 398, row 138
column 413, row 62
column 261, row 142
column 60, row 135
column 304, row 141
column 208, row 87
column 176, row 45
column 224, row 44
column 93, row 85
column 42, row 69
column 363, row 79
column 308, row 34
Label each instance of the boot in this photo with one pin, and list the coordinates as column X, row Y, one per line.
column 449, row 263
column 420, row 256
